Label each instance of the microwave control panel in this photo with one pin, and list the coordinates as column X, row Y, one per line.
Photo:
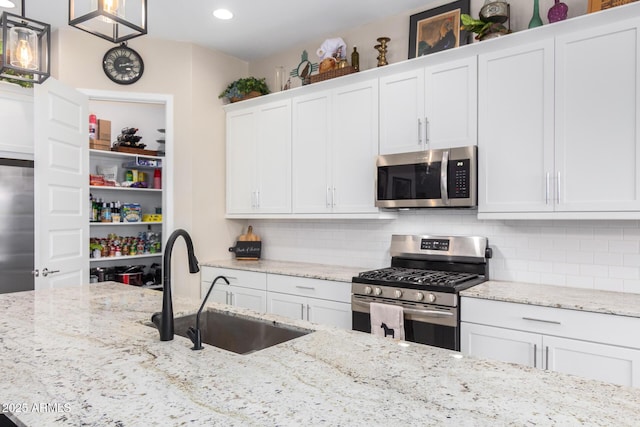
column 459, row 171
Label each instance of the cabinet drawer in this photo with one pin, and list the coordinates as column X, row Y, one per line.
column 583, row 325
column 314, row 288
column 247, row 279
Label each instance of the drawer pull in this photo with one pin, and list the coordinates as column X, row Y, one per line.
column 309, row 288
column 535, row 355
column 533, row 319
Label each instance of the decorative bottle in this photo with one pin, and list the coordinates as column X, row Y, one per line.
column 355, row 59
column 536, row 21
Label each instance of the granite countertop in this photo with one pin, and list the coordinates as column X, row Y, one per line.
column 84, row 356
column 290, row 268
column 606, row 302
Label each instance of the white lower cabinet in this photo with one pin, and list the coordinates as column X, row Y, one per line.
column 590, row 345
column 319, row 301
column 246, row 289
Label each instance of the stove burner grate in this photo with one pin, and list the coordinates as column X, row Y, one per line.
column 418, row 276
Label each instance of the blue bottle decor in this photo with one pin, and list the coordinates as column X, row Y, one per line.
column 536, row 21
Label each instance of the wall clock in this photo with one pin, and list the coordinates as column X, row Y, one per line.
column 123, row 65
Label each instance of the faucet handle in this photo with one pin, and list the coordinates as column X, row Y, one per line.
column 195, row 337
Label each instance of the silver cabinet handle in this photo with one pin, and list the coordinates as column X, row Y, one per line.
column 311, row 288
column 535, row 355
column 36, row 273
column 308, row 312
column 333, row 196
column 46, row 272
column 257, row 199
column 444, row 191
column 547, row 188
column 427, row 140
column 253, row 199
column 533, row 319
column 230, row 298
column 547, row 358
column 419, row 131
column 558, row 188
column 327, row 197
column 302, row 311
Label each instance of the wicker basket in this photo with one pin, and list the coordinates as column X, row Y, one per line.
column 337, row 72
column 253, row 94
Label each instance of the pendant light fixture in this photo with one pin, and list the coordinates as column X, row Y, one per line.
column 25, row 48
column 113, row 20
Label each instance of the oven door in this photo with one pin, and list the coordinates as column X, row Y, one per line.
column 423, row 323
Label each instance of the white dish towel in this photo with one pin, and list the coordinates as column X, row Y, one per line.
column 387, row 320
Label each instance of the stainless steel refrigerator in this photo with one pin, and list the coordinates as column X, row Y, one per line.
column 16, row 225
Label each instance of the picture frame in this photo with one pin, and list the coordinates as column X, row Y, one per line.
column 597, row 5
column 437, row 29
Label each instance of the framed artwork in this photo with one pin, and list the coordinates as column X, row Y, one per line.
column 437, row 29
column 596, row 5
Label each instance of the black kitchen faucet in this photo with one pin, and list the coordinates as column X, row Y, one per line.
column 164, row 320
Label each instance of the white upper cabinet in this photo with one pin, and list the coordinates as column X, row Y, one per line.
column 597, row 119
column 428, row 108
column 334, row 150
column 259, row 159
column 515, row 137
column 16, row 132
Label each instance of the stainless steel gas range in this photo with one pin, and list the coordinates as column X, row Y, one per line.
column 425, row 278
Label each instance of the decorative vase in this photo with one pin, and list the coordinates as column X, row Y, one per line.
column 558, row 12
column 536, row 21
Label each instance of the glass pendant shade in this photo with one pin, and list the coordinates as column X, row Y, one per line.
column 25, row 49
column 113, row 20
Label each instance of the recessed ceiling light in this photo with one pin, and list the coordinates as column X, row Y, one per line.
column 6, row 3
column 222, row 14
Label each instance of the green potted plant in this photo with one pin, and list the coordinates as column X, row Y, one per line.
column 245, row 88
column 483, row 28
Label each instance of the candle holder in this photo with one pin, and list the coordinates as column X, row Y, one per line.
column 382, row 50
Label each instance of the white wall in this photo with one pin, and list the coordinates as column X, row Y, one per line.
column 586, row 254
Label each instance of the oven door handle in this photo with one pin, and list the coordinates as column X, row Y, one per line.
column 411, row 311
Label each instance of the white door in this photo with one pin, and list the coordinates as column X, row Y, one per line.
column 61, row 158
column 506, row 345
column 598, row 119
column 451, row 104
column 273, row 158
column 596, row 361
column 354, row 147
column 331, row 313
column 515, row 136
column 253, row 299
column 241, row 161
column 402, row 112
column 291, row 306
column 311, row 133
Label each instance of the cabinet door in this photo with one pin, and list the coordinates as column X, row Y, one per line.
column 596, row 361
column 273, row 158
column 291, row 306
column 241, row 161
column 16, row 131
column 506, row 345
column 219, row 293
column 451, row 104
column 311, row 133
column 597, row 119
column 402, row 112
column 331, row 313
column 248, row 298
column 354, row 147
column 515, row 139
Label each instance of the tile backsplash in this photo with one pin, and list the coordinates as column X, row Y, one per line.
column 587, row 254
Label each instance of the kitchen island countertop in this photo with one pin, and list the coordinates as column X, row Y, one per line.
column 84, row 356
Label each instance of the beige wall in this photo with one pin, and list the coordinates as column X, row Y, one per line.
column 194, row 76
column 397, row 29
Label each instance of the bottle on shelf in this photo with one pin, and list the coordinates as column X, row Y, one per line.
column 157, row 178
column 93, row 126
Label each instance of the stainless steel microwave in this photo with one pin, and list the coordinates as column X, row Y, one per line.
column 428, row 179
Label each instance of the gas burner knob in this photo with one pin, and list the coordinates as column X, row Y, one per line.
column 368, row 290
column 398, row 293
column 431, row 298
column 377, row 291
column 419, row 296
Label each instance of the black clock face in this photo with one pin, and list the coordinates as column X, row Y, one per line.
column 123, row 65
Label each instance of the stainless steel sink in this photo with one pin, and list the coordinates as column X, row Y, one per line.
column 241, row 335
